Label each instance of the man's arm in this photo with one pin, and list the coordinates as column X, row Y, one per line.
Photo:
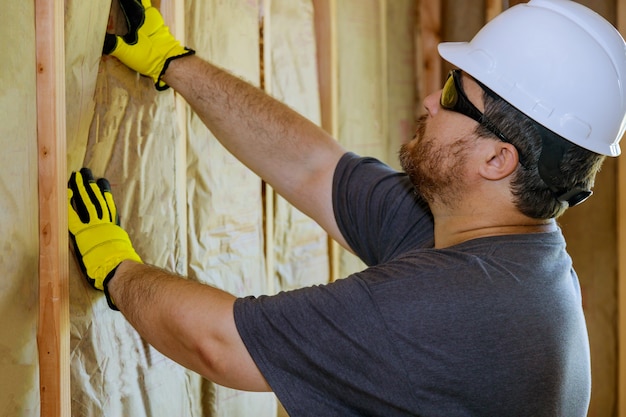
column 187, row 321
column 190, row 322
column 291, row 153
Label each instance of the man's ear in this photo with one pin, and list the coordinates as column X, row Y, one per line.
column 500, row 160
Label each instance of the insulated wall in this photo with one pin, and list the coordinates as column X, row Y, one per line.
column 188, row 205
column 192, row 208
column 122, row 128
column 224, row 204
column 299, row 255
column 19, row 243
column 376, row 83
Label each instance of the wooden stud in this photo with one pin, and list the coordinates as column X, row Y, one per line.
column 327, row 72
column 621, row 279
column 384, row 71
column 621, row 255
column 53, row 330
column 265, row 42
column 428, row 65
column 492, row 9
column 326, row 43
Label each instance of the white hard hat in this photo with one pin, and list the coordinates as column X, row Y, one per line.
column 558, row 62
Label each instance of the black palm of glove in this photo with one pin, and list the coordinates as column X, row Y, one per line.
column 148, row 47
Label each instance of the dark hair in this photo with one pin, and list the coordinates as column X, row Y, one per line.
column 533, row 197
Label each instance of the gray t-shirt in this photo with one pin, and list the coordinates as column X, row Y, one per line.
column 490, row 327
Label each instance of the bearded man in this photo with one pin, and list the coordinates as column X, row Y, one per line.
column 469, row 305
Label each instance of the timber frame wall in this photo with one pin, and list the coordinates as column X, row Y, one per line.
column 620, row 11
column 53, row 330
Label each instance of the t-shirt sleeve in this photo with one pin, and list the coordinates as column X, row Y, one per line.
column 377, row 210
column 321, row 345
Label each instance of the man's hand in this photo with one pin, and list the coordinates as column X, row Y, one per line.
column 100, row 244
column 148, row 47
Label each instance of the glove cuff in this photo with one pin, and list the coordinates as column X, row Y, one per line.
column 160, row 85
column 105, row 286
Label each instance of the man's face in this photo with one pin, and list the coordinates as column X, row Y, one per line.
column 436, row 158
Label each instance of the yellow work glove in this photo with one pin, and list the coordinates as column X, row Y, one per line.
column 148, row 47
column 100, row 244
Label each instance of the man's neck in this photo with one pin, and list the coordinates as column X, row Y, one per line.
column 454, row 227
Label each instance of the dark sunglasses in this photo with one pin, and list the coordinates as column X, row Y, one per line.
column 453, row 98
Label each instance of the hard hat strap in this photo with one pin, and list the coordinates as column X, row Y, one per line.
column 552, row 151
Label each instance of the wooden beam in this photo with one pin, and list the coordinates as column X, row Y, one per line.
column 621, row 254
column 53, row 330
column 621, row 284
column 383, row 17
column 493, row 8
column 269, row 195
column 428, row 65
column 326, row 43
column 327, row 72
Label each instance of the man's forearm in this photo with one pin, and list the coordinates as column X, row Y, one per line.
column 187, row 321
column 251, row 124
column 284, row 148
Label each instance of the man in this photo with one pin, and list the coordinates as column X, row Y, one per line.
column 470, row 305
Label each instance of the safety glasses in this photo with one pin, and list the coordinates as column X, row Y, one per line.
column 453, row 98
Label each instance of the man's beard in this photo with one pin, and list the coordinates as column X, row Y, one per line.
column 435, row 171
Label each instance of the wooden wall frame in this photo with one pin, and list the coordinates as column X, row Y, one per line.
column 327, row 72
column 428, row 34
column 53, row 332
column 621, row 255
column 269, row 195
column 493, row 8
column 621, row 286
